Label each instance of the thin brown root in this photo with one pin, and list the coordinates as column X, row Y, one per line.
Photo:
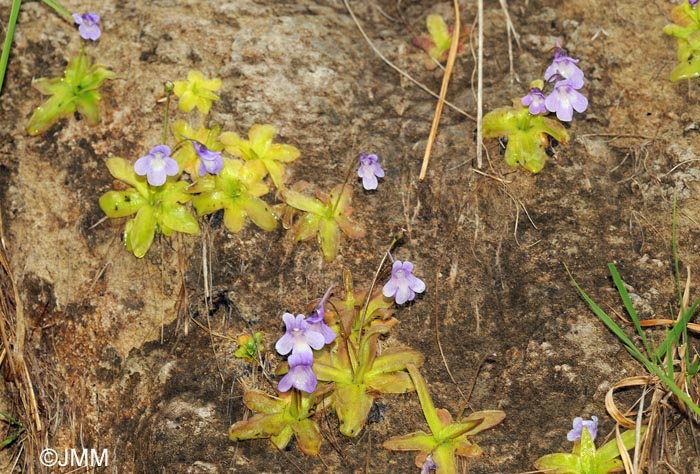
column 510, row 31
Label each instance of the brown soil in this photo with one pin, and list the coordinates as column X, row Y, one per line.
column 131, row 360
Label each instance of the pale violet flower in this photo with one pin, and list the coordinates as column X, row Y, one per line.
column 209, row 161
column 564, row 99
column 298, row 338
column 157, row 165
column 300, row 376
column 429, row 465
column 87, row 25
column 535, row 101
column 316, row 319
column 564, row 67
column 403, row 285
column 579, row 424
column 369, row 171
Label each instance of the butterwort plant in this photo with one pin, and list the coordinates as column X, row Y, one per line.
column 290, row 414
column 358, row 371
column 155, row 196
column 686, row 29
column 77, row 92
column 197, row 92
column 447, row 438
column 261, row 151
column 585, row 458
column 237, row 189
column 439, row 39
column 526, row 128
column 324, row 217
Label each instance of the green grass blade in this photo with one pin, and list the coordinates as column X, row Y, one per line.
column 60, row 10
column 674, row 247
column 10, row 419
column 679, row 328
column 607, row 320
column 630, row 309
column 671, row 384
column 9, row 440
column 7, row 45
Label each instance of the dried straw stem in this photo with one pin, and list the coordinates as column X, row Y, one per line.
column 14, row 359
column 443, row 91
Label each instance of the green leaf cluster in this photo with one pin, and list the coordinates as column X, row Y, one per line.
column 237, row 190
column 359, row 374
column 528, row 135
column 197, row 92
column 280, row 418
column 157, row 209
column 686, row 29
column 249, row 346
column 261, row 152
column 324, row 217
column 447, row 438
column 439, row 39
column 77, row 91
column 585, row 458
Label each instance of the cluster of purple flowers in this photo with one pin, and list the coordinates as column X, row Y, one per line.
column 158, row 164
column 301, row 336
column 565, row 96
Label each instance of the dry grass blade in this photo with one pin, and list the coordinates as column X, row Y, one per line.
column 443, row 91
column 617, row 414
column 480, row 87
column 15, row 368
column 624, row 455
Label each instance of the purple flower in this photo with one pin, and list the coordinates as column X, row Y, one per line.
column 692, row 2
column 369, row 171
column 300, row 375
column 316, row 320
column 428, row 465
column 564, row 99
column 210, row 161
column 403, row 285
column 564, row 67
column 579, row 424
column 535, row 101
column 298, row 339
column 88, row 25
column 157, row 165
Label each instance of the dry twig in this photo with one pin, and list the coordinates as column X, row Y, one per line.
column 443, row 91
